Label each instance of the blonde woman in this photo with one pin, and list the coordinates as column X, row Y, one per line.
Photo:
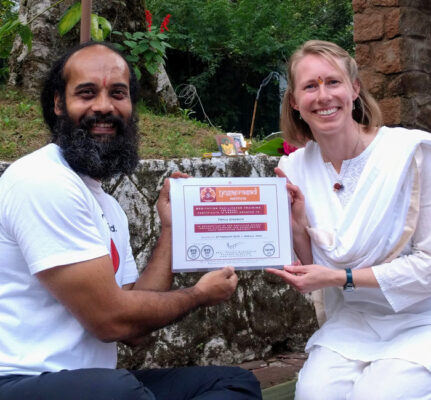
column 361, row 205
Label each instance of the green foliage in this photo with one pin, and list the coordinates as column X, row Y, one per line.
column 8, row 16
column 147, row 48
column 162, row 136
column 69, row 19
column 254, row 30
column 10, row 26
column 246, row 39
column 21, row 125
column 186, row 113
column 7, row 8
column 271, row 147
column 100, row 27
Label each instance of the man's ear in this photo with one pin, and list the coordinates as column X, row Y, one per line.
column 58, row 104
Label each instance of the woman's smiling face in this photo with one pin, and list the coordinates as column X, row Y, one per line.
column 323, row 94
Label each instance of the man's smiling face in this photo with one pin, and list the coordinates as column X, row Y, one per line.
column 95, row 127
column 97, row 87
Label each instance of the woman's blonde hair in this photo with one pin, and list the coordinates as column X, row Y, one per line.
column 366, row 110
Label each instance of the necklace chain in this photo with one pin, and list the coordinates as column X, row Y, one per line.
column 338, row 185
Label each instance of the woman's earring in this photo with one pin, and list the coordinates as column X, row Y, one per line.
column 300, row 117
column 354, row 105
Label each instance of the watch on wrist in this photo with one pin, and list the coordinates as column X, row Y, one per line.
column 349, row 285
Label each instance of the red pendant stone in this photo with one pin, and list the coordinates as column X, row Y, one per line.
column 338, row 186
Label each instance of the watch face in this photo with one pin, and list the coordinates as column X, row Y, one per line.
column 348, row 287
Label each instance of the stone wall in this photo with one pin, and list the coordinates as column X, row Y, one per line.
column 393, row 51
column 263, row 317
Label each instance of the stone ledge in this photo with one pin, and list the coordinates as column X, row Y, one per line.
column 262, row 314
column 276, row 370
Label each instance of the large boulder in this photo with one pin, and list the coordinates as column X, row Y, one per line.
column 263, row 317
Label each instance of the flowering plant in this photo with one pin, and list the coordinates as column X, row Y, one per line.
column 275, row 147
column 286, row 149
column 147, row 48
column 148, row 20
column 165, row 22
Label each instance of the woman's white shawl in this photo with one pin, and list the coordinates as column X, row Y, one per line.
column 381, row 215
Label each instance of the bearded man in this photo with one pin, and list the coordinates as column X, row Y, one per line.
column 69, row 287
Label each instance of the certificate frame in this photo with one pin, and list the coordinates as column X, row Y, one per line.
column 242, row 222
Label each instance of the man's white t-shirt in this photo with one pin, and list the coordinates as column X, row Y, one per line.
column 50, row 216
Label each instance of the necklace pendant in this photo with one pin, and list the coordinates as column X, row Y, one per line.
column 338, row 186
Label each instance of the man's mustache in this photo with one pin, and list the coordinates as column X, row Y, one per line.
column 88, row 121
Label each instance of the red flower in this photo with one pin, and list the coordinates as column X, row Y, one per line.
column 287, row 149
column 149, row 19
column 164, row 25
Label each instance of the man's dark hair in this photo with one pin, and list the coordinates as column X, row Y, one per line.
column 55, row 83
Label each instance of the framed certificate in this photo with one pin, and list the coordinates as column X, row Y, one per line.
column 226, row 145
column 242, row 222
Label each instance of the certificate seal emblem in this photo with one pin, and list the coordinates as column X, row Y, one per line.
column 207, row 252
column 208, row 194
column 268, row 250
column 193, row 252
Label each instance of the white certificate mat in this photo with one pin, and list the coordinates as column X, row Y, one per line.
column 243, row 222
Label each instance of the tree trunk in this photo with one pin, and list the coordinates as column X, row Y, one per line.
column 28, row 70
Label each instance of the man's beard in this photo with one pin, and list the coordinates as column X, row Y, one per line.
column 98, row 158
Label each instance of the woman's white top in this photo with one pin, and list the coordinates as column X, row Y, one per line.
column 381, row 219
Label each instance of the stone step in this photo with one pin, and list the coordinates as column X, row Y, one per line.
column 277, row 369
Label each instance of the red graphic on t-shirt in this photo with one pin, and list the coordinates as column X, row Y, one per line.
column 115, row 257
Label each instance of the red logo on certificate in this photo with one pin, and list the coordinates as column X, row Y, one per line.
column 208, row 194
